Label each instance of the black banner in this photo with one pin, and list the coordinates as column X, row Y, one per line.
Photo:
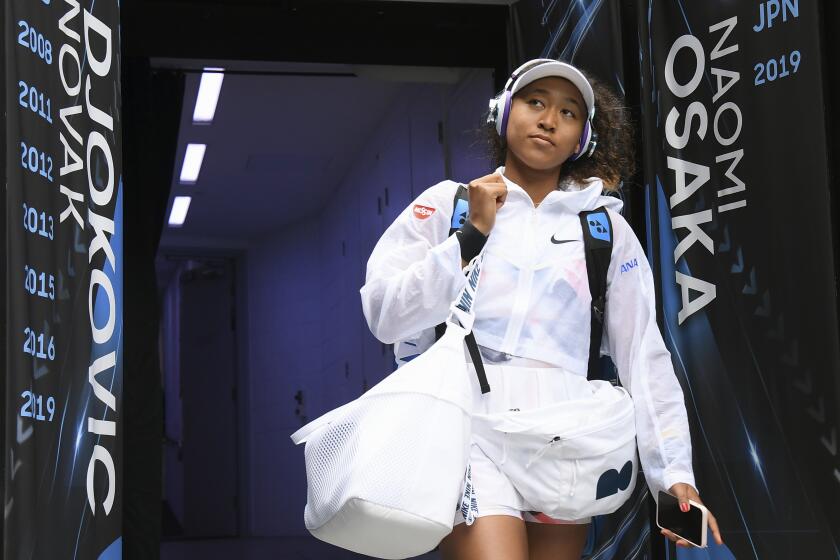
column 739, row 229
column 63, row 456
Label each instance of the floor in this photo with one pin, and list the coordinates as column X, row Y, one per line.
column 280, row 548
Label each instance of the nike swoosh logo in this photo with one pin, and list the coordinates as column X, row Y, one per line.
column 559, row 241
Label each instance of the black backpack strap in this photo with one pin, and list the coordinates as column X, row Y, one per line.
column 460, row 209
column 597, row 242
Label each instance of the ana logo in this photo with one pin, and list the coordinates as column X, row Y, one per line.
column 422, row 212
column 629, row 265
column 611, row 481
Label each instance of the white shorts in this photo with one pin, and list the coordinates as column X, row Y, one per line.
column 517, row 383
column 495, row 494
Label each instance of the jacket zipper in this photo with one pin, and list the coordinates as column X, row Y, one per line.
column 523, row 290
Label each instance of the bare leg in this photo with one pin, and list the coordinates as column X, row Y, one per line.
column 555, row 542
column 494, row 537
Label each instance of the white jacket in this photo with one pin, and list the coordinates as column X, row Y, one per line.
column 533, row 301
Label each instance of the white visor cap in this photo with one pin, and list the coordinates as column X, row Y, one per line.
column 560, row 70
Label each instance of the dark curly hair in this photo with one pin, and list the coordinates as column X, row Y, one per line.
column 613, row 159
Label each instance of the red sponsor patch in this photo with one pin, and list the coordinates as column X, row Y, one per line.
column 422, row 212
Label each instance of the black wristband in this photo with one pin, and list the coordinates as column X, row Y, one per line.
column 471, row 240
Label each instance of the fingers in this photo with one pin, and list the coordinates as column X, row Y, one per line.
column 682, row 494
column 685, row 492
column 486, row 195
column 488, row 189
column 682, row 542
column 713, row 525
column 494, row 180
column 674, row 538
column 490, row 177
column 496, row 188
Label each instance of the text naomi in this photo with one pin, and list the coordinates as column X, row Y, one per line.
column 689, row 176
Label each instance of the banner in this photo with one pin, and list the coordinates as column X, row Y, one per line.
column 63, row 466
column 739, row 234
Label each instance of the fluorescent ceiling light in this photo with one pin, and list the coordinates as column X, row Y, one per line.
column 192, row 162
column 180, row 206
column 208, row 95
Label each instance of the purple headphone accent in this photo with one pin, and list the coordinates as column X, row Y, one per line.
column 505, row 113
column 585, row 138
column 508, row 97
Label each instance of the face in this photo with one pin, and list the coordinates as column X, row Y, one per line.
column 545, row 123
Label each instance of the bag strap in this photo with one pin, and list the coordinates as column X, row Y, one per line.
column 462, row 310
column 475, row 356
column 597, row 241
column 460, row 212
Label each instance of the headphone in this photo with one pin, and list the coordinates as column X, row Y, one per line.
column 500, row 110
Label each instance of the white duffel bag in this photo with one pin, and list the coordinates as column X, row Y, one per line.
column 385, row 472
column 570, row 460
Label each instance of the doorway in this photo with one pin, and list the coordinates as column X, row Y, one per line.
column 201, row 399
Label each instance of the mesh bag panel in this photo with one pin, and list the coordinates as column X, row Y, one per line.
column 386, row 451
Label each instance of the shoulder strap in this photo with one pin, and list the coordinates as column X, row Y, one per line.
column 460, row 212
column 597, row 239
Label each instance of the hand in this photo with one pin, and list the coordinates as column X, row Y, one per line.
column 486, row 195
column 685, row 492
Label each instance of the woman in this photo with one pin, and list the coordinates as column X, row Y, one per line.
column 533, row 304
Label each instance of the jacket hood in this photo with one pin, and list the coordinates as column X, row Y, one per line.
column 576, row 196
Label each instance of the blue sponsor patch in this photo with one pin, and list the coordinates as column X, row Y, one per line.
column 462, row 211
column 599, row 226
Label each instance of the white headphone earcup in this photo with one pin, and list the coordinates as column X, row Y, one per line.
column 591, row 142
column 501, row 105
column 493, row 113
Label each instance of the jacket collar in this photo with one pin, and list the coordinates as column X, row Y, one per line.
column 575, row 196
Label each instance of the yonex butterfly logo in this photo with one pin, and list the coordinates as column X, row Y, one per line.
column 599, row 226
column 462, row 211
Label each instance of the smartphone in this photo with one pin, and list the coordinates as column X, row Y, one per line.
column 690, row 525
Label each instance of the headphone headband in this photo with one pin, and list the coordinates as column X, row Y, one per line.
column 524, row 68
